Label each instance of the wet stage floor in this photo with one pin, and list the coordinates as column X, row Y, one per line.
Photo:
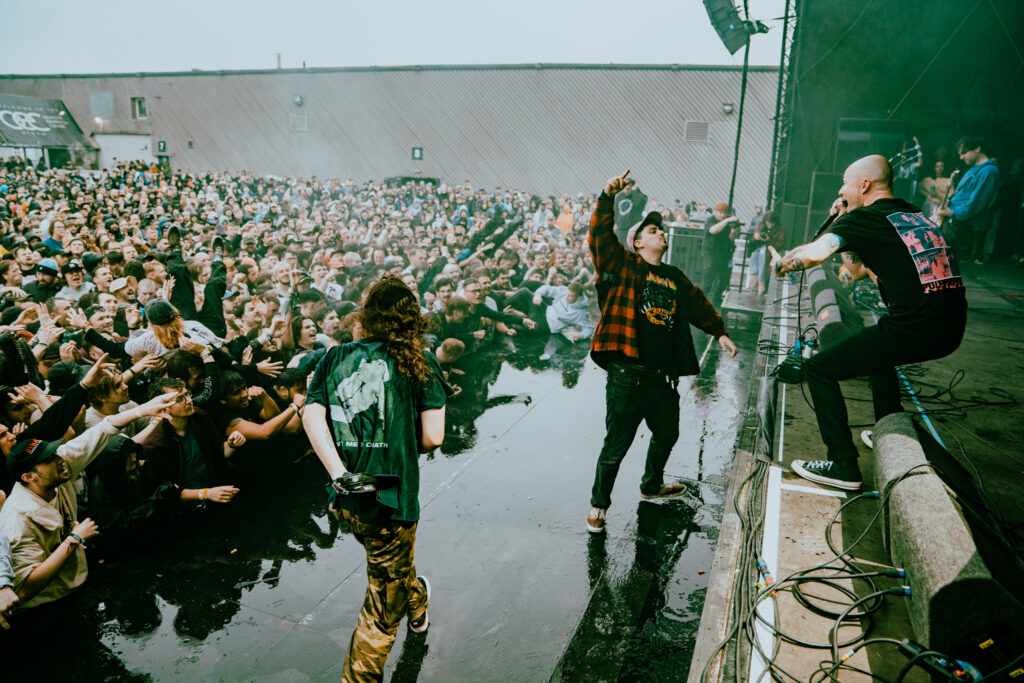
column 268, row 589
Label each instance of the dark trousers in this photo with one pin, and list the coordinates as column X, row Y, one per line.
column 873, row 352
column 183, row 295
column 632, row 396
column 716, row 279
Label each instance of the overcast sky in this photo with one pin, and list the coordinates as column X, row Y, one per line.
column 59, row 36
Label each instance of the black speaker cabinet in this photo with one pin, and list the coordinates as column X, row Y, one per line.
column 685, row 244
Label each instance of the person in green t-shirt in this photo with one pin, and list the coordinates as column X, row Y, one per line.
column 373, row 405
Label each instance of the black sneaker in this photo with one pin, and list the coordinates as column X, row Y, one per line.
column 842, row 475
column 667, row 491
column 420, row 625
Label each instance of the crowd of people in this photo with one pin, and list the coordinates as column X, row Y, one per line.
column 155, row 326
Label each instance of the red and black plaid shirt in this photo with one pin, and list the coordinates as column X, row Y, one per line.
column 620, row 275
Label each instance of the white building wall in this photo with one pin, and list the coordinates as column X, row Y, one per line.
column 123, row 147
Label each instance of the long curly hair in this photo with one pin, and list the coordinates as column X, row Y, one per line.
column 392, row 315
column 170, row 334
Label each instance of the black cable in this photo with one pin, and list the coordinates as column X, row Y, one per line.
column 913, row 661
column 834, row 633
column 1003, row 669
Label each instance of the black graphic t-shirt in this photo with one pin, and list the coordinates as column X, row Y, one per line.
column 918, row 274
column 657, row 309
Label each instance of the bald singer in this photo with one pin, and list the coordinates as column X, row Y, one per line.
column 920, row 283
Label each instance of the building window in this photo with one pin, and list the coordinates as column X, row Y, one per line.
column 101, row 104
column 139, row 110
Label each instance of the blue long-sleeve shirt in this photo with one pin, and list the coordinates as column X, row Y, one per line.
column 975, row 192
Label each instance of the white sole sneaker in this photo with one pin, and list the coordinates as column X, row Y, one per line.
column 422, row 628
column 867, row 436
column 797, row 466
column 596, row 529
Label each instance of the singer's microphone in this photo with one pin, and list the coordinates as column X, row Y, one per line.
column 824, row 226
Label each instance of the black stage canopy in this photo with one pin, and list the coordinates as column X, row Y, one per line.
column 35, row 122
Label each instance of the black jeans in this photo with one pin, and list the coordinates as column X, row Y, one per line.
column 716, row 279
column 632, row 396
column 873, row 352
column 183, row 295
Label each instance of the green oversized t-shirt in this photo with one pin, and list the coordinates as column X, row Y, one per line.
column 374, row 415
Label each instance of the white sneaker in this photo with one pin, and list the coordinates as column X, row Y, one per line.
column 595, row 520
column 424, row 622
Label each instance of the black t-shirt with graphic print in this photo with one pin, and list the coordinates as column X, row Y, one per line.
column 658, row 314
column 918, row 275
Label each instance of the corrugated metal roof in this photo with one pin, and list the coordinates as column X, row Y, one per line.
column 542, row 128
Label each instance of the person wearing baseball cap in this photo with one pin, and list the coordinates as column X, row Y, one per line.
column 47, row 282
column 47, row 544
column 124, row 291
column 75, row 284
column 643, row 341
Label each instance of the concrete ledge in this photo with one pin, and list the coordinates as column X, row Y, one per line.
column 953, row 594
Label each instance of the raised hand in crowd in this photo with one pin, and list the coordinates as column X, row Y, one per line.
column 76, row 318
column 270, row 368
column 100, row 368
column 68, row 352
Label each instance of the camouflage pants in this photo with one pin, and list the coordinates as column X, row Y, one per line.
column 393, row 593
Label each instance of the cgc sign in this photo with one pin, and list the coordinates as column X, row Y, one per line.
column 34, row 122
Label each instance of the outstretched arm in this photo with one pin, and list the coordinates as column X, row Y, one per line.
column 806, row 255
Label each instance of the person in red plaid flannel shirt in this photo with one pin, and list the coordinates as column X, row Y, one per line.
column 643, row 341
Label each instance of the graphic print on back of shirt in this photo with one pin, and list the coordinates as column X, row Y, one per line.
column 358, row 414
column 937, row 268
column 658, row 301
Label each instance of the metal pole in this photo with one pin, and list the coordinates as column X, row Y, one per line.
column 736, row 153
column 768, row 202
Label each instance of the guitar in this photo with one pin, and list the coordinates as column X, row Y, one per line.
column 945, row 222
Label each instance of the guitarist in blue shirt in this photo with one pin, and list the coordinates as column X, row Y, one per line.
column 972, row 203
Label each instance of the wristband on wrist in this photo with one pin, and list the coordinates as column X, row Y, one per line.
column 202, row 494
column 77, row 540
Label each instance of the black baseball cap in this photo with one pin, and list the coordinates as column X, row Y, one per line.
column 27, row 454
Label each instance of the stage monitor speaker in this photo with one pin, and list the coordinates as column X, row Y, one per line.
column 814, row 221
column 860, row 137
column 733, row 31
column 824, row 192
column 685, row 250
